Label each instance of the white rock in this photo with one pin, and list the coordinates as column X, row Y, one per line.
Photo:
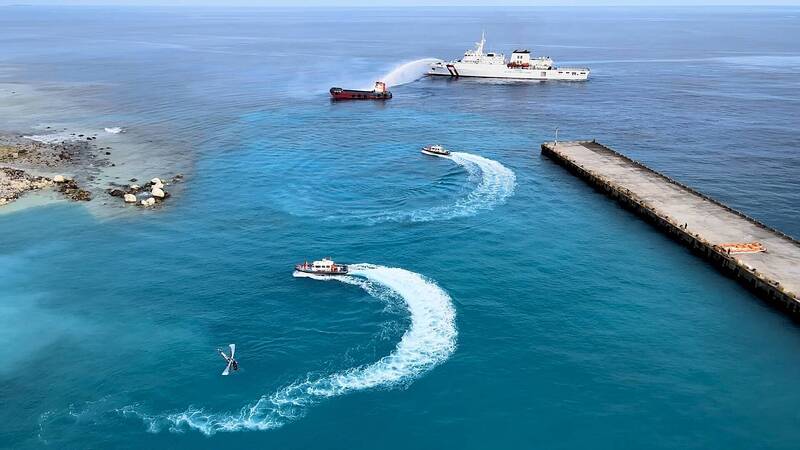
column 134, row 186
column 151, row 201
column 59, row 179
column 158, row 186
column 143, row 202
column 157, row 192
column 156, row 181
column 44, row 182
column 130, row 198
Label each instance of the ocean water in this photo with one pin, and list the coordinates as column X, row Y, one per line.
column 496, row 301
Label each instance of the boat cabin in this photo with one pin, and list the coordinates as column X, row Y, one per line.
column 520, row 58
column 324, row 265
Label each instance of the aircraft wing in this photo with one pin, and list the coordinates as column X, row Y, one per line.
column 233, row 349
column 227, row 369
column 224, row 356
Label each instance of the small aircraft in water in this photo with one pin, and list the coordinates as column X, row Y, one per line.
column 232, row 364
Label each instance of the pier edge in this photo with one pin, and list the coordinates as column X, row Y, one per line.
column 762, row 286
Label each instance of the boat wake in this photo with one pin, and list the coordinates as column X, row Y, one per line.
column 497, row 183
column 429, row 341
column 408, row 72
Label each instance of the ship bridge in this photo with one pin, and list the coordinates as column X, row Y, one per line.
column 477, row 55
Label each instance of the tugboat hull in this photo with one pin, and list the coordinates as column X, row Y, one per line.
column 349, row 94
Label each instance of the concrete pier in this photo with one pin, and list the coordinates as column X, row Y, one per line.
column 768, row 262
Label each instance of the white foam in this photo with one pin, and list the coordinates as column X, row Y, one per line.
column 497, row 183
column 429, row 341
column 54, row 138
column 113, row 130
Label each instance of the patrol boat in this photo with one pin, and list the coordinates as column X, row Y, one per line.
column 521, row 66
column 325, row 266
column 435, row 150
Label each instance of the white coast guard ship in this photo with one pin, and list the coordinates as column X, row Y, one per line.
column 522, row 66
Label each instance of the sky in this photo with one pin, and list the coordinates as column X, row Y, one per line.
column 406, row 2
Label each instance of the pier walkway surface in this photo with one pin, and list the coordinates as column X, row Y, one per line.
column 707, row 226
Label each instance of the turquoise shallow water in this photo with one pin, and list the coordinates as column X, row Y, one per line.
column 524, row 309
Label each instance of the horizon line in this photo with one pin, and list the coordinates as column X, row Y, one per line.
column 687, row 3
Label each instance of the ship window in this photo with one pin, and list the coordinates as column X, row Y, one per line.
column 544, row 74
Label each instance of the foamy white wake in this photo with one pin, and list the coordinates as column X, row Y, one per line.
column 429, row 341
column 497, row 183
column 113, row 130
column 56, row 137
column 407, row 72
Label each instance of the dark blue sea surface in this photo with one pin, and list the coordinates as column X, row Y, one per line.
column 499, row 301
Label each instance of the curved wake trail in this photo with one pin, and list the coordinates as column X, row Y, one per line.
column 497, row 183
column 429, row 341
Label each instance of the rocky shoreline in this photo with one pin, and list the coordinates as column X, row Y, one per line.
column 23, row 162
column 32, row 163
column 17, row 149
column 15, row 182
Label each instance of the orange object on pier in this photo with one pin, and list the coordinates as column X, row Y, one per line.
column 743, row 247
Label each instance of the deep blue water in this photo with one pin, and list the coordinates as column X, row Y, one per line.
column 575, row 324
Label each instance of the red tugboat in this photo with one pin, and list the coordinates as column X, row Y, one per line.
column 379, row 93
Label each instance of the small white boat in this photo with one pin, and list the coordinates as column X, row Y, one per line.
column 435, row 150
column 325, row 266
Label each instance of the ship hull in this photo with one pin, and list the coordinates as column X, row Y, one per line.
column 428, row 152
column 322, row 273
column 348, row 94
column 457, row 70
column 339, row 269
